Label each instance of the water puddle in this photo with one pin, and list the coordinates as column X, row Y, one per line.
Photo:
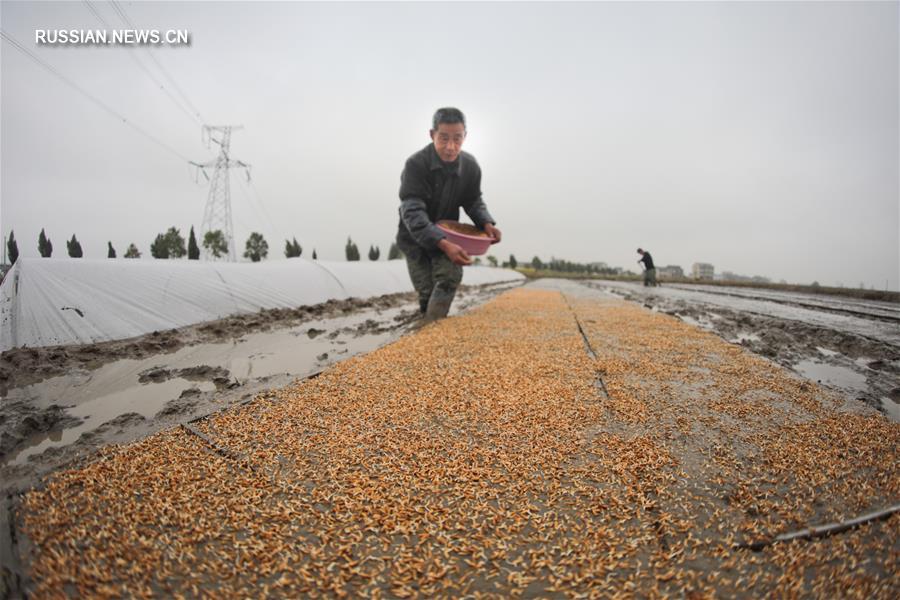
column 147, row 385
column 143, row 399
column 833, row 375
column 297, row 351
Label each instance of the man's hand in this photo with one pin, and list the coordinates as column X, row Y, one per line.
column 454, row 252
column 493, row 232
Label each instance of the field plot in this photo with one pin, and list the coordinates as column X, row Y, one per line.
column 846, row 344
column 555, row 442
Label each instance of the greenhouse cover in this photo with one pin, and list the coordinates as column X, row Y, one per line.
column 48, row 302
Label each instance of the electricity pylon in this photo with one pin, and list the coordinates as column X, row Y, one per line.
column 217, row 214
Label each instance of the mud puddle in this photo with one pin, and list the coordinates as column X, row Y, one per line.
column 154, row 386
column 98, row 407
column 855, row 355
column 123, row 391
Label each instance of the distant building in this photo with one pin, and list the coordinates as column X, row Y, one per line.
column 670, row 272
column 703, row 271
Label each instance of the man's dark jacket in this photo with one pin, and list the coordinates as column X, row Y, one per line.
column 432, row 190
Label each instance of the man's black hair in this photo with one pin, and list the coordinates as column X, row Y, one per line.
column 448, row 115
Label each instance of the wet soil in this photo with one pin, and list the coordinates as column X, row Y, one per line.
column 858, row 356
column 23, row 366
column 482, row 445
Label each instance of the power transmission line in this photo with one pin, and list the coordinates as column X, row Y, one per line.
column 121, row 11
column 96, row 14
column 133, row 55
column 253, row 196
column 88, row 95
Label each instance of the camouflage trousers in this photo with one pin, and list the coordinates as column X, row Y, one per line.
column 436, row 275
column 650, row 277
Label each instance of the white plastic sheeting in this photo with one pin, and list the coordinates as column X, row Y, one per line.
column 48, row 302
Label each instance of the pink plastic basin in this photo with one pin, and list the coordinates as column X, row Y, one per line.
column 474, row 245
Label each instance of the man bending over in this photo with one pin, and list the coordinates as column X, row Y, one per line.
column 436, row 181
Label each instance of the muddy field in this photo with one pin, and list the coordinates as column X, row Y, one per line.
column 558, row 442
column 58, row 405
column 849, row 345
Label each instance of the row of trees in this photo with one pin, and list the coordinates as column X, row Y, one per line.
column 171, row 244
column 554, row 264
column 351, row 251
column 565, row 266
column 73, row 246
column 512, row 263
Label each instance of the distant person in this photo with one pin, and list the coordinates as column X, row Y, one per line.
column 436, row 181
column 649, row 269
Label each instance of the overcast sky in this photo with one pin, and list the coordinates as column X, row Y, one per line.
column 759, row 137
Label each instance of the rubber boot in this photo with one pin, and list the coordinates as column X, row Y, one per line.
column 439, row 303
